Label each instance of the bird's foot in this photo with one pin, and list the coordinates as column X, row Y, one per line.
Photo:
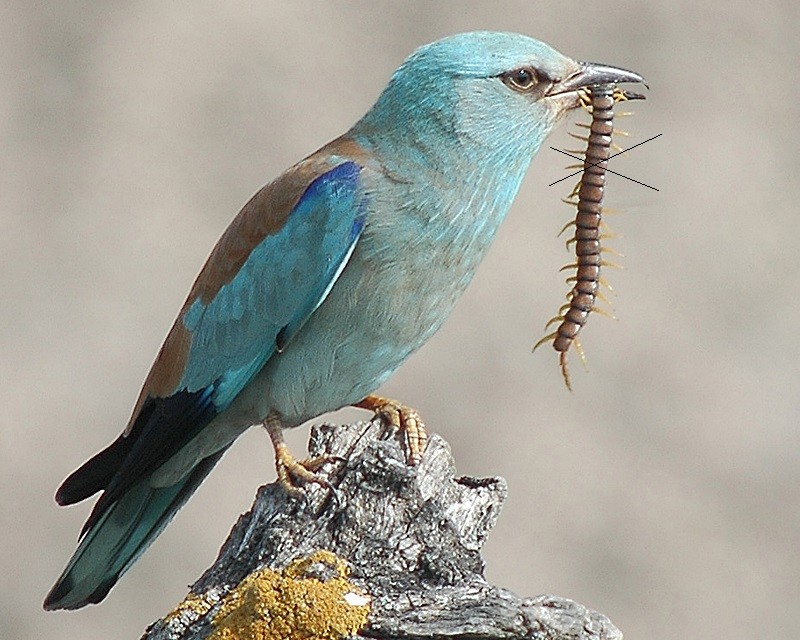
column 294, row 473
column 403, row 419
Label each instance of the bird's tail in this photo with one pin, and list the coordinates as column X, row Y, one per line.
column 118, row 537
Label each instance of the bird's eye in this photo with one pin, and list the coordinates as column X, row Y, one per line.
column 523, row 79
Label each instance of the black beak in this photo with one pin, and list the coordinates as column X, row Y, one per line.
column 592, row 74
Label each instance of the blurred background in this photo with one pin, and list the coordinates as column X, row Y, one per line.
column 664, row 492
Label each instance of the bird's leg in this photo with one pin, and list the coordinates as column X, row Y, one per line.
column 291, row 471
column 403, row 418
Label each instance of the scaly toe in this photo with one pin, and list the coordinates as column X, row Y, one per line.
column 293, row 473
column 304, row 471
column 402, row 419
column 415, row 433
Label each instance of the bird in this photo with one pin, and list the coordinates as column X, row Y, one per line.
column 326, row 281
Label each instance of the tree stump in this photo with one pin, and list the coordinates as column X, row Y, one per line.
column 394, row 553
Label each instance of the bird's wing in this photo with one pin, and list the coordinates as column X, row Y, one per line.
column 271, row 269
column 236, row 320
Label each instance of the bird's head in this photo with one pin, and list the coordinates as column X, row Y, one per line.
column 486, row 92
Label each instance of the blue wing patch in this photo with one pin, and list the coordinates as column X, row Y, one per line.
column 285, row 278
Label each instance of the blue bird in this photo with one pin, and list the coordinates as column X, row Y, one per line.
column 325, row 282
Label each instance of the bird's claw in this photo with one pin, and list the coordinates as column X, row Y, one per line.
column 403, row 419
column 294, row 473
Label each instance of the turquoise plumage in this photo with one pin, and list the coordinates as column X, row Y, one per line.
column 326, row 281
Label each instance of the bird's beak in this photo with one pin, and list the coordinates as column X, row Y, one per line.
column 593, row 73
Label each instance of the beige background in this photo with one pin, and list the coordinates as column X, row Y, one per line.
column 665, row 492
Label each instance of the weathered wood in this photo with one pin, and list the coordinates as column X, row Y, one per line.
column 411, row 537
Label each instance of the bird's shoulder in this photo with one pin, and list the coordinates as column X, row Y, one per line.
column 266, row 213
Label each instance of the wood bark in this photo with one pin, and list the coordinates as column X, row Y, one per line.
column 411, row 537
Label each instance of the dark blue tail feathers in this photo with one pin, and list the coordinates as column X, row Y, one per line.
column 119, row 536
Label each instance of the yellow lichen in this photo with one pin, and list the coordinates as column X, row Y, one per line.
column 293, row 605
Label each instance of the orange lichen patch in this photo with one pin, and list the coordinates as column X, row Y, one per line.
column 294, row 604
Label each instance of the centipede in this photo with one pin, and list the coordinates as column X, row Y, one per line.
column 589, row 228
